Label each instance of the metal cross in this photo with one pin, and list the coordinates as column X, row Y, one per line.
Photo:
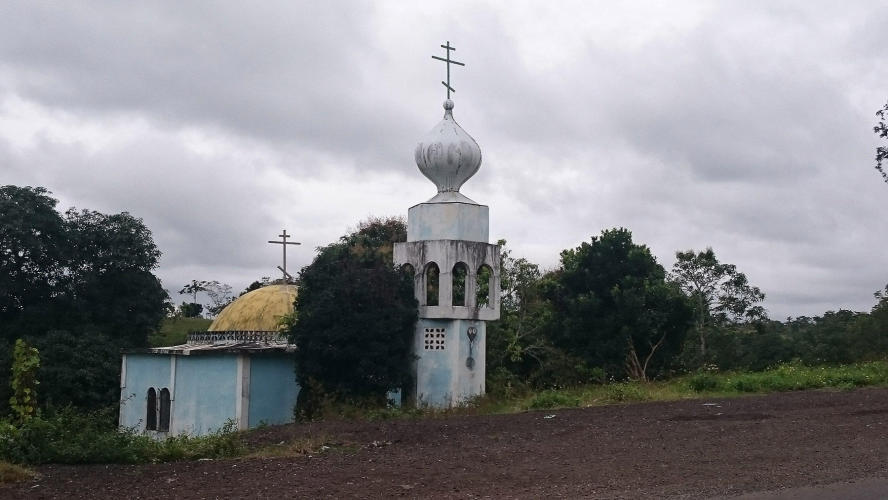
column 283, row 236
column 449, row 61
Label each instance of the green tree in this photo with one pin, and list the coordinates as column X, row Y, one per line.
column 613, row 308
column 80, row 369
column 720, row 293
column 190, row 309
column 193, row 308
column 33, row 252
column 519, row 351
column 84, row 273
column 114, row 291
column 355, row 316
column 881, row 129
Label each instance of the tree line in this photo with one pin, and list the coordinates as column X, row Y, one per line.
column 79, row 286
column 609, row 311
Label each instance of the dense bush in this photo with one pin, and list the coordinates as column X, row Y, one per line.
column 73, row 437
column 355, row 316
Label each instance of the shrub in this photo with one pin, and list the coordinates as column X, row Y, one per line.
column 554, row 399
column 703, row 382
column 71, row 437
column 25, row 363
column 626, row 391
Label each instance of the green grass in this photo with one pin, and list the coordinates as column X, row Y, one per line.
column 174, row 331
column 786, row 377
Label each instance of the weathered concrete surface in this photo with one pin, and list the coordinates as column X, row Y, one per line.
column 445, row 376
column 448, row 221
column 446, row 254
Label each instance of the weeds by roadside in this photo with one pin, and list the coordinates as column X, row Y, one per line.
column 12, row 473
column 71, row 437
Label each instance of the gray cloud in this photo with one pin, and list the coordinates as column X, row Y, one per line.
column 745, row 128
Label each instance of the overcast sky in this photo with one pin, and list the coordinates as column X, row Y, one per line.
column 744, row 126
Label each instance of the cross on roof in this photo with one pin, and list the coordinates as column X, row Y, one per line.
column 283, row 236
column 449, row 61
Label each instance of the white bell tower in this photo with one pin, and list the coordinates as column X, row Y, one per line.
column 456, row 270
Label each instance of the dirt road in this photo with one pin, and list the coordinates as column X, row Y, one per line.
column 687, row 449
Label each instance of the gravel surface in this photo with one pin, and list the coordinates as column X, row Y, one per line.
column 709, row 448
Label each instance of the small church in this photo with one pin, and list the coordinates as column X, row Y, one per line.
column 240, row 372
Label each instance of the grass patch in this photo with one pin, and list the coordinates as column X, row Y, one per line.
column 554, row 399
column 174, row 331
column 12, row 473
column 791, row 377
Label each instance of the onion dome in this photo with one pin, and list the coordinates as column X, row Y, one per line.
column 448, row 156
column 259, row 310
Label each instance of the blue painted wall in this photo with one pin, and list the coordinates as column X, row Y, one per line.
column 205, row 393
column 443, row 377
column 143, row 371
column 273, row 389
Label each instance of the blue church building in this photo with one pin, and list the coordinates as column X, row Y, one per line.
column 240, row 370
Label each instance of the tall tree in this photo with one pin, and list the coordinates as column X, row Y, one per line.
column 355, row 315
column 84, row 275
column 720, row 293
column 881, row 129
column 613, row 307
column 33, row 253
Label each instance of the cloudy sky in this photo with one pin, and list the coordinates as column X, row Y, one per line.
column 744, row 126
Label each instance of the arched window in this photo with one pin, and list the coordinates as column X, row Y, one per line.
column 151, row 413
column 164, row 424
column 432, row 276
column 458, row 294
column 408, row 270
column 485, row 280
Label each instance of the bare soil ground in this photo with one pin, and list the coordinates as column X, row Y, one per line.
column 685, row 449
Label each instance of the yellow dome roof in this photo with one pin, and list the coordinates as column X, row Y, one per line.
column 259, row 310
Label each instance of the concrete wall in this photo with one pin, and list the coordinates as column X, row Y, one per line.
column 443, row 376
column 448, row 221
column 204, row 396
column 140, row 372
column 273, row 390
column 207, row 390
column 446, row 254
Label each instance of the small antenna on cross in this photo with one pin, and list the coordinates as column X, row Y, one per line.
column 449, row 61
column 283, row 236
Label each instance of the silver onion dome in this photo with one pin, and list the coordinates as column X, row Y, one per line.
column 447, row 155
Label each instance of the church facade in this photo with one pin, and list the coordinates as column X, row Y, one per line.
column 241, row 371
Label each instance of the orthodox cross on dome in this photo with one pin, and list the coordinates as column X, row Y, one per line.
column 283, row 236
column 449, row 61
